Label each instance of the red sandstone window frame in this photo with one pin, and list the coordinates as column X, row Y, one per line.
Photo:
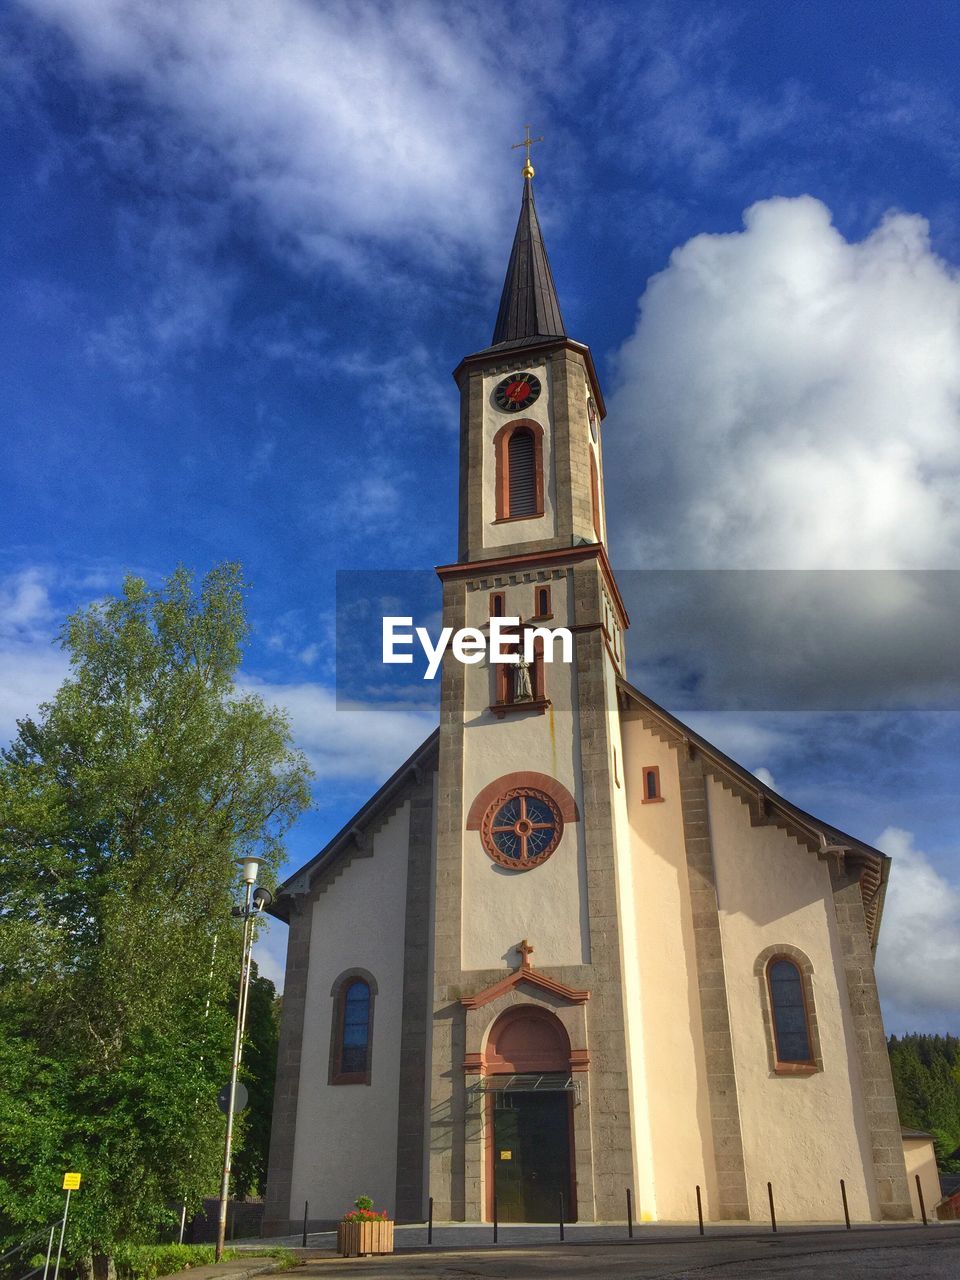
column 547, row 611
column 501, row 445
column 658, row 797
column 487, row 827
column 790, row 1066
column 495, row 597
column 338, row 991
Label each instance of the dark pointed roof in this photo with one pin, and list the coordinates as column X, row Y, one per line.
column 528, row 304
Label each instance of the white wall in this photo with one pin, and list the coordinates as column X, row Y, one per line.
column 346, row 1143
column 547, row 904
column 674, row 1131
column 921, row 1158
column 802, row 1133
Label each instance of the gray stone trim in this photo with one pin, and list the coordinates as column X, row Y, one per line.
column 276, row 1212
column 336, row 1026
column 879, row 1099
column 731, row 1182
column 416, row 1001
column 611, row 1127
column 806, row 977
column 471, row 462
column 447, row 1092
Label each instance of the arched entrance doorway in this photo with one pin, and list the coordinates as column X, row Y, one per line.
column 530, row 1152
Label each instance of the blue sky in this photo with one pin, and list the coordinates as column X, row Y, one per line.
column 245, row 245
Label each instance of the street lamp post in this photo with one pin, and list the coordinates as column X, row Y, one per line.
column 254, row 901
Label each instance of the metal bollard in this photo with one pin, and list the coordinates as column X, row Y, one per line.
column 561, row 1215
column 306, row 1210
column 699, row 1210
column 495, row 1223
column 773, row 1212
column 629, row 1214
column 430, row 1222
column 923, row 1211
column 846, row 1211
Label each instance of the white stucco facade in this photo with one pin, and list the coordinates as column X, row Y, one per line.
column 346, row 1141
column 773, row 892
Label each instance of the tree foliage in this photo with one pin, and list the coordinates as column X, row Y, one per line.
column 258, row 1071
column 926, row 1077
column 123, row 806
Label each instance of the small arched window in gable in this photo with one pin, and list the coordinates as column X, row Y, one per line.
column 791, row 1025
column 350, row 1050
column 651, row 784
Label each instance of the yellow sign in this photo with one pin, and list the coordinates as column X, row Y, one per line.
column 506, row 1155
column 71, row 1181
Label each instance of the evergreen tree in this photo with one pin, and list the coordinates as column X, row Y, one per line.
column 926, row 1077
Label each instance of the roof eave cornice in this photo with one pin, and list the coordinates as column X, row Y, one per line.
column 501, row 354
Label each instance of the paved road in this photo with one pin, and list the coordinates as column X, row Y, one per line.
column 903, row 1253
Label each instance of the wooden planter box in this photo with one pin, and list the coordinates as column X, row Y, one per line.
column 357, row 1238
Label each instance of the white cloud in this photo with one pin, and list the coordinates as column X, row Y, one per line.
column 766, row 777
column 29, row 674
column 918, row 956
column 792, row 400
column 368, row 743
column 270, row 951
column 31, row 666
column 24, row 601
column 335, row 123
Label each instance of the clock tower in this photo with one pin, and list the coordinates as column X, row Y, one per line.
column 528, row 974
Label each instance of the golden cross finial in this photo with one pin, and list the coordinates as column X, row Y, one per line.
column 526, row 951
column 528, row 169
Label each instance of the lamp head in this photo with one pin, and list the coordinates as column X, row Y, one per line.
column 251, row 866
column 262, row 898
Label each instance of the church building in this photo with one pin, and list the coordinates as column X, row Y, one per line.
column 570, row 947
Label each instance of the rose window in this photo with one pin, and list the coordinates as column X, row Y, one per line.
column 521, row 829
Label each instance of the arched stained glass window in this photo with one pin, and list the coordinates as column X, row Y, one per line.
column 356, row 1028
column 790, row 1025
column 350, row 1050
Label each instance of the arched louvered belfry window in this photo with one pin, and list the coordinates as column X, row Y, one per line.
column 351, row 1041
column 519, row 457
column 523, row 476
column 788, row 1005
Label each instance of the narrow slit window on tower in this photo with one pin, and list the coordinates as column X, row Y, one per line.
column 651, row 784
column 497, row 604
column 595, row 498
column 522, row 464
column 542, row 603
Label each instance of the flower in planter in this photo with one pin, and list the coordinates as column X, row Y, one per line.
column 363, row 1211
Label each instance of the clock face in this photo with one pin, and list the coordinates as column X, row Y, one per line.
column 592, row 415
column 519, row 391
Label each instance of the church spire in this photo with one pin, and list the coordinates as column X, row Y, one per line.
column 528, row 304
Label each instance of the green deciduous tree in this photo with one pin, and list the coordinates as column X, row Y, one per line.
column 123, row 806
